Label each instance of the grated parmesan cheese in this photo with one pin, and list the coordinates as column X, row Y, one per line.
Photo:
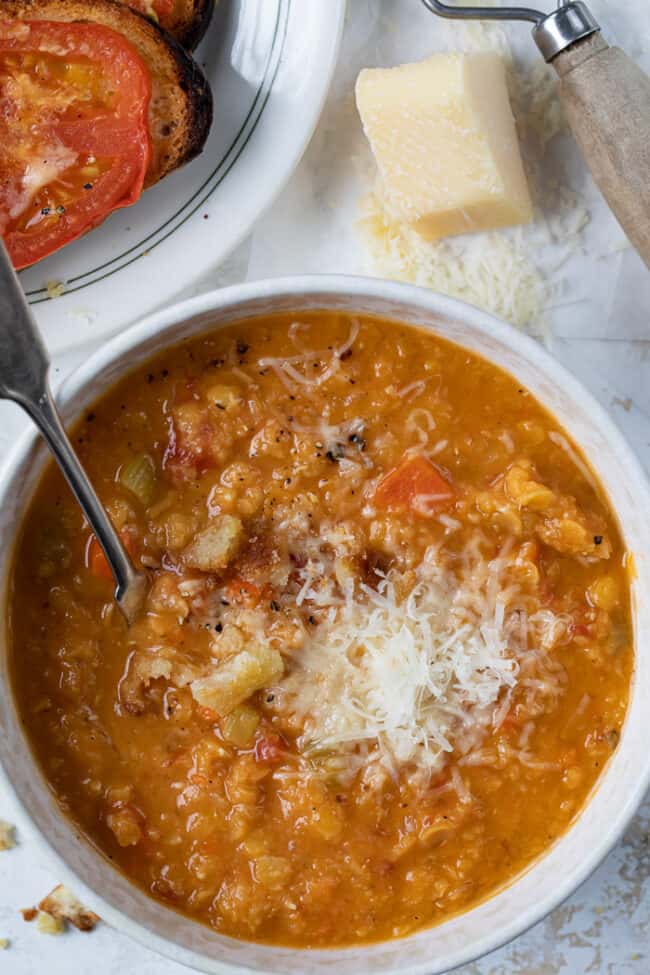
column 514, row 273
column 491, row 271
column 286, row 367
column 408, row 677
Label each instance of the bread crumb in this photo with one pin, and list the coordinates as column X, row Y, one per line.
column 7, row 835
column 55, row 288
column 61, row 903
column 626, row 403
column 59, row 907
column 4, row 944
column 47, row 924
column 212, row 549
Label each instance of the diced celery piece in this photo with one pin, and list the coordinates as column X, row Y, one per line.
column 139, row 477
column 240, row 725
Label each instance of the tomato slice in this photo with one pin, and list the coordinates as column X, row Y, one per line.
column 74, row 132
column 417, row 484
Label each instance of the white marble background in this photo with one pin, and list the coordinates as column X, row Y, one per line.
column 601, row 333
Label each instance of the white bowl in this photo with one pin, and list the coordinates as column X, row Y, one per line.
column 549, row 880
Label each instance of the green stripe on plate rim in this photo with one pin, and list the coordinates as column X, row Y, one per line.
column 213, row 181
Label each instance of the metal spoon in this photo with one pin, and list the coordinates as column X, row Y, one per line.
column 24, row 366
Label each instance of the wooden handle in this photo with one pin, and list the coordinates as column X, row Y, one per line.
column 607, row 102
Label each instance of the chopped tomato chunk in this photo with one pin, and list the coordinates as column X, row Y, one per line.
column 238, row 587
column 96, row 560
column 241, row 591
column 270, row 748
column 416, row 483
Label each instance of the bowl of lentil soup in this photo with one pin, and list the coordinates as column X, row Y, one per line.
column 387, row 704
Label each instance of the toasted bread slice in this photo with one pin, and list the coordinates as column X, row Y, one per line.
column 181, row 105
column 187, row 21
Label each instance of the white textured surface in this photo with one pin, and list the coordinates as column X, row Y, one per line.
column 604, row 339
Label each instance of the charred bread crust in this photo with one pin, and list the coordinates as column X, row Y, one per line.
column 191, row 29
column 181, row 105
column 181, row 140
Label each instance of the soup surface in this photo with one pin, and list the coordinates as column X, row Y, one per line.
column 387, row 647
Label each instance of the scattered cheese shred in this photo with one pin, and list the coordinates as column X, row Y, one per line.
column 287, row 371
column 7, row 836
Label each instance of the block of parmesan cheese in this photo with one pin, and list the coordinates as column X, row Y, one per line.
column 444, row 138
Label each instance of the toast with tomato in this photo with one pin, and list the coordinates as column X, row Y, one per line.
column 97, row 103
column 186, row 20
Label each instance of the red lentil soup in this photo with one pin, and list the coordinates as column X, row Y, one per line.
column 387, row 647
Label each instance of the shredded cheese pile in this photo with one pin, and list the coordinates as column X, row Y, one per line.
column 492, row 271
column 407, row 677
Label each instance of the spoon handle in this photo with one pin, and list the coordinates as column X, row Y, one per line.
column 24, row 366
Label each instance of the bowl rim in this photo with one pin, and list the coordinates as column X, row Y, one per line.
column 427, row 302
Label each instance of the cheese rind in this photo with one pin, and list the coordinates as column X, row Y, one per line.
column 444, row 138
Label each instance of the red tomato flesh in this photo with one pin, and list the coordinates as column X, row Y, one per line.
column 417, row 484
column 270, row 748
column 74, row 132
column 241, row 591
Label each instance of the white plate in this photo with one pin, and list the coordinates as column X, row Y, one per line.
column 269, row 63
